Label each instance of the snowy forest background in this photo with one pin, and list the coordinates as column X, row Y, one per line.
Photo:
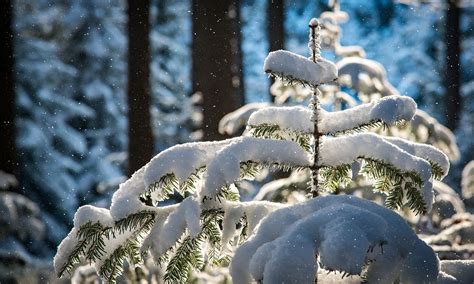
column 70, row 72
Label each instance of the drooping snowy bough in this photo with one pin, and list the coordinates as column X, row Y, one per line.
column 183, row 208
column 342, row 233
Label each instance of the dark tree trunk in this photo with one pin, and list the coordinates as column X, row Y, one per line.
column 140, row 145
column 453, row 72
column 216, row 66
column 275, row 27
column 7, row 90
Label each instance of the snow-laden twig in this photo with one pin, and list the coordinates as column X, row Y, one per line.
column 388, row 110
column 345, row 150
column 296, row 67
column 224, row 169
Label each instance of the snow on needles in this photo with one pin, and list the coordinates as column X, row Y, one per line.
column 344, row 150
column 180, row 160
column 346, row 232
column 83, row 215
column 294, row 66
column 388, row 109
column 224, row 169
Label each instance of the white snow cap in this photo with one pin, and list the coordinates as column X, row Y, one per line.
column 224, row 169
column 346, row 149
column 181, row 160
column 389, row 110
column 346, row 232
column 185, row 216
column 423, row 151
column 89, row 213
column 298, row 67
column 65, row 249
column 313, row 22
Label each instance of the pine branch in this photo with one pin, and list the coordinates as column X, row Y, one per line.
column 335, row 177
column 229, row 194
column 273, row 131
column 288, row 80
column 362, row 128
column 185, row 258
column 395, row 197
column 396, row 184
column 436, row 170
column 74, row 258
column 140, row 224
column 168, row 185
column 189, row 251
column 142, row 220
column 90, row 245
column 113, row 265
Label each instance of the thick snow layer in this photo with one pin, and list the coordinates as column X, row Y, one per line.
column 181, row 160
column 296, row 118
column 233, row 212
column 298, row 67
column 389, row 110
column 224, row 169
column 125, row 200
column 252, row 210
column 65, row 249
column 185, row 216
column 423, row 151
column 89, row 213
column 283, row 247
column 152, row 241
column 344, row 150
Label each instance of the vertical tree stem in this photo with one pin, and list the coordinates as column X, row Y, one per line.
column 315, row 55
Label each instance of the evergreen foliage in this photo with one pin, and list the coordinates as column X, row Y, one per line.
column 195, row 233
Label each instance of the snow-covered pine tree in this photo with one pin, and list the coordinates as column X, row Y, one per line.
column 211, row 221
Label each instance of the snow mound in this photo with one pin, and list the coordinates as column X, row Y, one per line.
column 294, row 66
column 347, row 233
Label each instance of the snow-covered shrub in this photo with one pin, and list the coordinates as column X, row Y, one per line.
column 205, row 228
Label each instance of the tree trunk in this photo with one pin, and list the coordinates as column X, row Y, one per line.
column 452, row 71
column 140, row 144
column 7, row 91
column 275, row 28
column 216, row 66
